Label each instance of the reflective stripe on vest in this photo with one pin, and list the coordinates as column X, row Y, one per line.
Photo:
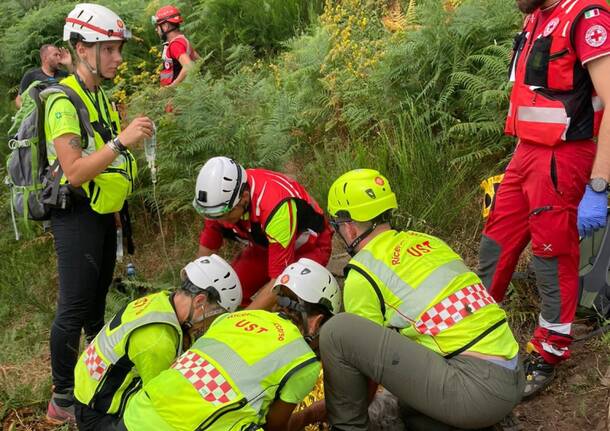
column 552, row 115
column 414, row 299
column 452, row 309
column 106, row 342
column 239, row 370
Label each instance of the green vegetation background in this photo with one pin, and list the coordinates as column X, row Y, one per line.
column 416, row 89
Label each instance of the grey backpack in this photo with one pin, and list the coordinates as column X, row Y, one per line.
column 35, row 185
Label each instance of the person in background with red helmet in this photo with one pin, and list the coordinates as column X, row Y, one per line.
column 178, row 55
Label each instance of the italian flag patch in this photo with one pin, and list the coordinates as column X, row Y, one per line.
column 591, row 13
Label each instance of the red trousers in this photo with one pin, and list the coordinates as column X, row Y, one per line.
column 251, row 264
column 538, row 201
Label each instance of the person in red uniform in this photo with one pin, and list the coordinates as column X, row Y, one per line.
column 178, row 55
column 555, row 185
column 270, row 212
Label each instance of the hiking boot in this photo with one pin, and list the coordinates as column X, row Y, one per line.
column 61, row 409
column 538, row 374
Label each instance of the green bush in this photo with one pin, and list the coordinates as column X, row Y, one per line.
column 217, row 25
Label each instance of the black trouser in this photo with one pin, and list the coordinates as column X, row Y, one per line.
column 85, row 242
column 91, row 420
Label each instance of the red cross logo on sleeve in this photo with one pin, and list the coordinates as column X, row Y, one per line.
column 596, row 36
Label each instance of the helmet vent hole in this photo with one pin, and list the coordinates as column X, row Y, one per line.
column 216, row 280
column 344, row 187
column 305, row 271
column 227, row 179
column 227, row 275
column 80, row 13
column 227, row 191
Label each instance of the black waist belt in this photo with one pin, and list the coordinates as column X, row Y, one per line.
column 482, row 335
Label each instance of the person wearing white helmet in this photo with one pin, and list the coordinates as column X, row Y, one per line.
column 270, row 212
column 146, row 336
column 96, row 174
column 250, row 369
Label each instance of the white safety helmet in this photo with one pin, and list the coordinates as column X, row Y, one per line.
column 94, row 23
column 312, row 283
column 220, row 184
column 213, row 274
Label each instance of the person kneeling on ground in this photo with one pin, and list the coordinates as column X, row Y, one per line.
column 250, row 369
column 417, row 321
column 267, row 210
column 145, row 338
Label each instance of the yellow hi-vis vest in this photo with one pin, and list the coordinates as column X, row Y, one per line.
column 227, row 380
column 108, row 190
column 104, row 376
column 427, row 293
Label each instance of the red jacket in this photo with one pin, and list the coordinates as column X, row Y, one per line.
column 553, row 99
column 268, row 191
column 171, row 65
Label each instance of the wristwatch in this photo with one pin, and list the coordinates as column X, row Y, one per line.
column 598, row 185
column 119, row 145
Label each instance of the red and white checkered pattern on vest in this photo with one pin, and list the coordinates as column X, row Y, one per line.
column 453, row 308
column 205, row 378
column 95, row 364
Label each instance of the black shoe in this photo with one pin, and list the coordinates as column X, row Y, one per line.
column 538, row 374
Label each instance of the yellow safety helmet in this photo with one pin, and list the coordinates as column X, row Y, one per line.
column 362, row 193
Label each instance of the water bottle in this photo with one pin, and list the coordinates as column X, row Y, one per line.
column 131, row 270
column 119, row 244
column 150, row 151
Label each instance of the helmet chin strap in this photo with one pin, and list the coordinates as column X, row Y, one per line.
column 189, row 322
column 351, row 248
column 96, row 72
column 165, row 33
column 299, row 306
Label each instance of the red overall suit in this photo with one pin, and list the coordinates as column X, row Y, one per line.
column 304, row 227
column 555, row 114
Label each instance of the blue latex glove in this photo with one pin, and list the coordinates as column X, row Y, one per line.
column 592, row 211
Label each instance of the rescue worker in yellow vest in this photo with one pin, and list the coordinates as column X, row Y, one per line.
column 95, row 174
column 250, row 369
column 417, row 321
column 145, row 338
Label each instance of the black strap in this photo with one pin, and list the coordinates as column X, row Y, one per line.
column 127, row 229
column 371, row 282
column 291, row 373
column 482, row 335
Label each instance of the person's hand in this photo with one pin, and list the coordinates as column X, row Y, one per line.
column 139, row 129
column 65, row 57
column 592, row 211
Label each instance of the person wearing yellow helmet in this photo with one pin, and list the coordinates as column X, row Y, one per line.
column 417, row 321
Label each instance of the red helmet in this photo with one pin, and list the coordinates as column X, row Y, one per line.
column 167, row 14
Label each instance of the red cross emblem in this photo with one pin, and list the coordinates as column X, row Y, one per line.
column 550, row 27
column 596, row 36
